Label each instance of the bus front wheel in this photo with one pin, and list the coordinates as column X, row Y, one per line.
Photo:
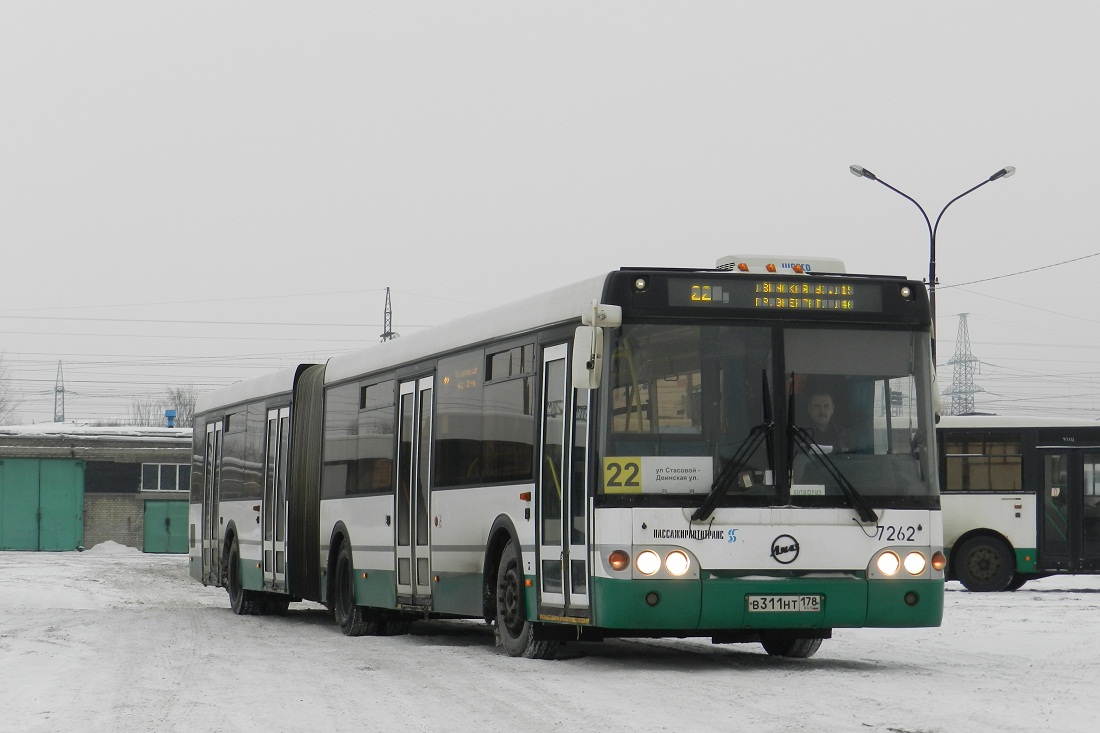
column 984, row 565
column 779, row 644
column 243, row 602
column 514, row 632
column 354, row 620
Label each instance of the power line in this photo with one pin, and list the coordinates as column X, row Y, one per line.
column 1021, row 272
column 278, row 296
column 1033, row 307
column 165, row 321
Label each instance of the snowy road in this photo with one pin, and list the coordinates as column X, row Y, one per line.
column 112, row 640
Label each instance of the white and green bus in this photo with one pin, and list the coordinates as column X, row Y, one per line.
column 1021, row 498
column 629, row 456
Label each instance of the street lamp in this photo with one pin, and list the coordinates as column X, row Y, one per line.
column 861, row 172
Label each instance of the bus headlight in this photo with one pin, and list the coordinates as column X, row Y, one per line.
column 677, row 563
column 915, row 563
column 648, row 562
column 888, row 563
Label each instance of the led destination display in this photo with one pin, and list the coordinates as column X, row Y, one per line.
column 776, row 294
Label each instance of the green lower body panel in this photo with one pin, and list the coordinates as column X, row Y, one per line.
column 904, row 603
column 252, row 575
column 723, row 603
column 1025, row 560
column 378, row 589
column 458, row 593
column 657, row 604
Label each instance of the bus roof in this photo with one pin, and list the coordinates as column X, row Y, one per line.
column 970, row 422
column 556, row 306
column 781, row 264
column 562, row 305
column 268, row 385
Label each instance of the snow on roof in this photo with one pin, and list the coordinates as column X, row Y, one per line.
column 556, row 306
column 1015, row 421
column 247, row 390
column 72, row 431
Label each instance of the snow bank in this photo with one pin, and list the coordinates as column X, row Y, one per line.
column 111, row 547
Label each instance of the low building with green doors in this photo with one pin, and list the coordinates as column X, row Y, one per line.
column 66, row 487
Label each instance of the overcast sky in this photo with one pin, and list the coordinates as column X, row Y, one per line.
column 195, row 193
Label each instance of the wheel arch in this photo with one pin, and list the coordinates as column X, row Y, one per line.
column 502, row 531
column 337, row 538
column 228, row 539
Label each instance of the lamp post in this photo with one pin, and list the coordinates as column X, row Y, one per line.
column 861, row 172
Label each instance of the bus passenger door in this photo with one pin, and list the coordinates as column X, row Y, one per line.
column 563, row 504
column 413, row 499
column 1069, row 510
column 274, row 510
column 211, row 488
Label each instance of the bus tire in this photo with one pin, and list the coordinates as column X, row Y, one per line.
column 514, row 632
column 277, row 606
column 354, row 620
column 395, row 626
column 1018, row 581
column 780, row 644
column 985, row 565
column 243, row 602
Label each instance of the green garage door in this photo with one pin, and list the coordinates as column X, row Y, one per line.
column 165, row 526
column 41, row 504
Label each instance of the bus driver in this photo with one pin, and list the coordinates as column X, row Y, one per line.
column 825, row 431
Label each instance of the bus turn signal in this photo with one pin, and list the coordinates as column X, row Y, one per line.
column 939, row 560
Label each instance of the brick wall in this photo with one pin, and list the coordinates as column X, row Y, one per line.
column 116, row 517
column 120, row 517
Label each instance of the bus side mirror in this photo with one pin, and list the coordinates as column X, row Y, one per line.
column 587, row 357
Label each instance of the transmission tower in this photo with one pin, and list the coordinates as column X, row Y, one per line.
column 59, row 396
column 963, row 365
column 387, row 321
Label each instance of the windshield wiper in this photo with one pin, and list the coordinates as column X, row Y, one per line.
column 801, row 437
column 728, row 475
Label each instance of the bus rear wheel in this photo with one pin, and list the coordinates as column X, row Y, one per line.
column 984, row 565
column 354, row 620
column 780, row 644
column 243, row 602
column 514, row 632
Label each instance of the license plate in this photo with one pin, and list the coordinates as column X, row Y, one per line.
column 798, row 604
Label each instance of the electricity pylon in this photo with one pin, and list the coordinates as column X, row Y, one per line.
column 59, row 396
column 387, row 321
column 963, row 364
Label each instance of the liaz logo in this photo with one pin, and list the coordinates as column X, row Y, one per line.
column 784, row 549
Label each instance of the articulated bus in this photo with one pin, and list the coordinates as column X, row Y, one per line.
column 629, row 456
column 1021, row 498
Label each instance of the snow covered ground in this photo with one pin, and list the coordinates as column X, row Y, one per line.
column 115, row 640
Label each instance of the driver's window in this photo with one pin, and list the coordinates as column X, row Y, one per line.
column 856, row 397
column 854, row 390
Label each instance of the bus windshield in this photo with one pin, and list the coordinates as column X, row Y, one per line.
column 688, row 404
